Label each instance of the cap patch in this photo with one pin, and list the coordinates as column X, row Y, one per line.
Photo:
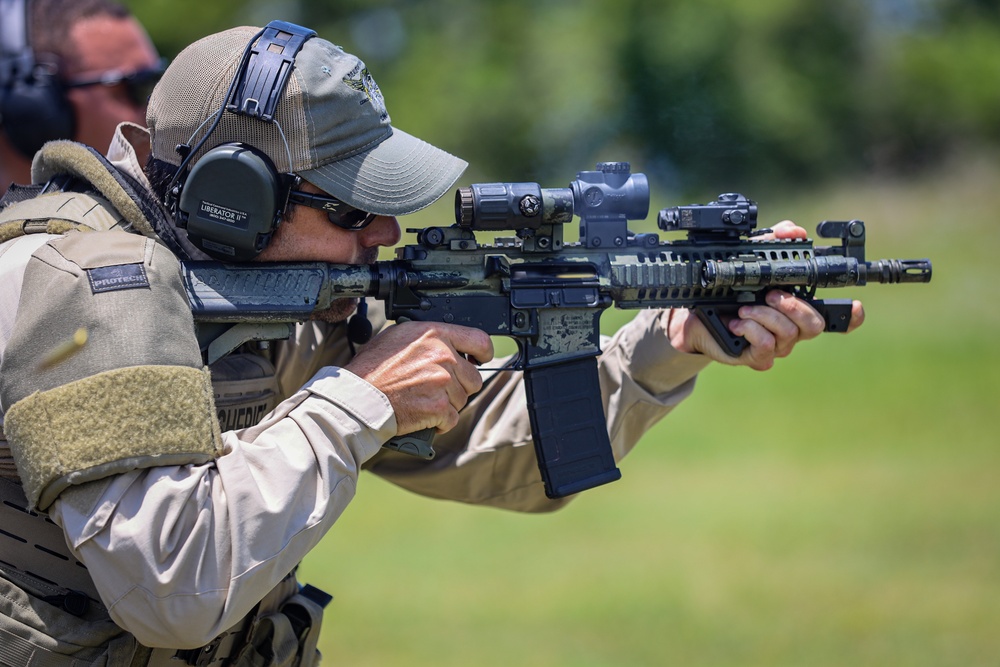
column 361, row 80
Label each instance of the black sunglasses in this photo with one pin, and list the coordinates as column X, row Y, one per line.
column 138, row 84
column 343, row 215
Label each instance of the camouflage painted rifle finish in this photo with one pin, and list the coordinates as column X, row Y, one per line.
column 549, row 295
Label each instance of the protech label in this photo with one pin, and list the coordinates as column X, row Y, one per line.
column 118, row 277
column 224, row 214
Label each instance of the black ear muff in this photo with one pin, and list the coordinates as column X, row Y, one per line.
column 33, row 104
column 231, row 202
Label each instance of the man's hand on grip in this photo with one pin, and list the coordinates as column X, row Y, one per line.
column 772, row 330
column 423, row 368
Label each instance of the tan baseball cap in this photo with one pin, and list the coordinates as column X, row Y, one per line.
column 332, row 116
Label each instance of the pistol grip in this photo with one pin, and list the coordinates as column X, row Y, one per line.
column 417, row 443
column 568, row 427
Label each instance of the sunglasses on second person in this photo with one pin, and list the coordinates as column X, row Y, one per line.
column 343, row 215
column 138, row 84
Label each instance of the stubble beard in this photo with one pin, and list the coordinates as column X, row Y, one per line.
column 338, row 311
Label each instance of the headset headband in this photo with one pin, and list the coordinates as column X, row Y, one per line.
column 270, row 60
column 16, row 56
column 262, row 82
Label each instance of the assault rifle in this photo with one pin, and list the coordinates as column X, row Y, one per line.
column 549, row 295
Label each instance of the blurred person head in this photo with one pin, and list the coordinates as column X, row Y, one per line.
column 71, row 69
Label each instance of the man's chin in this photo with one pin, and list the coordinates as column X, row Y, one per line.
column 338, row 311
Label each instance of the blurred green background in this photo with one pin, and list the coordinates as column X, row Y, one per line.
column 841, row 509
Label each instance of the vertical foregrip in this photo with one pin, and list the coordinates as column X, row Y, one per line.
column 712, row 318
column 569, row 427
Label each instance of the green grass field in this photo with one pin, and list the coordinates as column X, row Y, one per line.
column 842, row 509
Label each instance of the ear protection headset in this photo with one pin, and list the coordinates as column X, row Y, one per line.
column 233, row 198
column 33, row 105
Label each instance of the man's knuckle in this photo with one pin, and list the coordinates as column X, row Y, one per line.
column 439, row 376
column 439, row 404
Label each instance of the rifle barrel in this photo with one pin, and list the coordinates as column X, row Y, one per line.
column 819, row 271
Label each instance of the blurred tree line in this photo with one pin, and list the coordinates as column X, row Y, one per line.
column 702, row 95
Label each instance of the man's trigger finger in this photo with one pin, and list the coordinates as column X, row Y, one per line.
column 473, row 343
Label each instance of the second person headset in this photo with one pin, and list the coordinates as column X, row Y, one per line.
column 232, row 200
column 33, row 104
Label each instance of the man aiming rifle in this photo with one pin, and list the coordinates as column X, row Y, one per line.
column 189, row 495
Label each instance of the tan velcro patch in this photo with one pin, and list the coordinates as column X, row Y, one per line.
column 111, row 423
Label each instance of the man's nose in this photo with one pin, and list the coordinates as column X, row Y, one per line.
column 383, row 231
